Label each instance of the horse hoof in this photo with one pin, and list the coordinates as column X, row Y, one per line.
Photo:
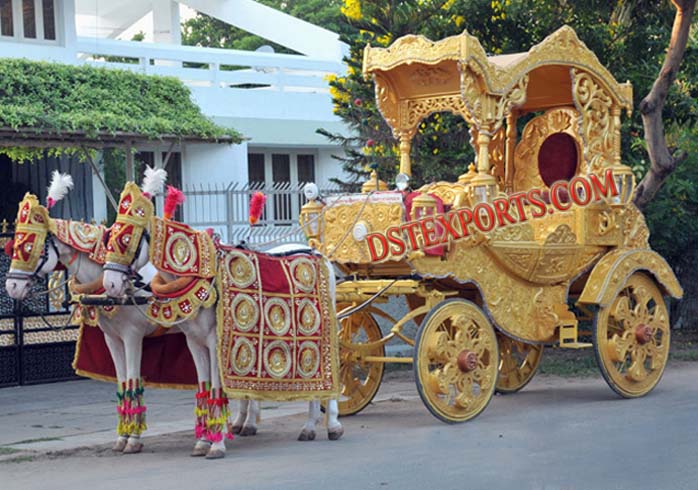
column 133, row 448
column 307, row 435
column 335, row 434
column 119, row 445
column 200, row 449
column 248, row 431
column 236, row 429
column 215, row 454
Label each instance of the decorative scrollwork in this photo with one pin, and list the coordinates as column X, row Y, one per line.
column 596, row 129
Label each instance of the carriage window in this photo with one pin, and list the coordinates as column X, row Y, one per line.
column 6, row 25
column 557, row 158
column 29, row 16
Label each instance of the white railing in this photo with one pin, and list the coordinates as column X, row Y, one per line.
column 211, row 66
column 225, row 209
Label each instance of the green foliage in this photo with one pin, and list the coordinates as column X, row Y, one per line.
column 440, row 150
column 22, row 154
column 114, row 175
column 630, row 37
column 51, row 97
column 671, row 216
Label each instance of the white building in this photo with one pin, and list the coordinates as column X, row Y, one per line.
column 288, row 101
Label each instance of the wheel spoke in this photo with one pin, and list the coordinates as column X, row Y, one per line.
column 632, row 337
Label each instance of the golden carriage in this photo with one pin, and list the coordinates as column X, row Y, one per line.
column 488, row 303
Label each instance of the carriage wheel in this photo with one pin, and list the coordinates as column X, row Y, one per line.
column 631, row 338
column 518, row 363
column 360, row 380
column 455, row 361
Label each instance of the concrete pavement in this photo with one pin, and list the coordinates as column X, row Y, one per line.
column 557, row 434
column 68, row 415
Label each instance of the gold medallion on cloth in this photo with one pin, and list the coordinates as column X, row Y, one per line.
column 277, row 327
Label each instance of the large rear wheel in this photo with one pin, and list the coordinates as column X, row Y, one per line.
column 631, row 337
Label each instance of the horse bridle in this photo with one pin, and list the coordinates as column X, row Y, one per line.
column 43, row 258
column 128, row 269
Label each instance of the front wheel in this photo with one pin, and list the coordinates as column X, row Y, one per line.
column 631, row 337
column 360, row 379
column 455, row 361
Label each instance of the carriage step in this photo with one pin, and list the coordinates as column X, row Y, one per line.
column 568, row 334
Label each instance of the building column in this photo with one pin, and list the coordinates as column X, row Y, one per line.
column 166, row 28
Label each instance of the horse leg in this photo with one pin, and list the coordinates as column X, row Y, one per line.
column 200, row 355
column 250, row 426
column 241, row 414
column 308, row 432
column 134, row 407
column 116, row 349
column 218, row 415
column 334, row 426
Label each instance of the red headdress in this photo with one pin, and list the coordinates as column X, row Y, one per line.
column 174, row 198
column 257, row 206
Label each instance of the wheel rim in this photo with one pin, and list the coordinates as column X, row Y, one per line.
column 456, row 361
column 360, row 380
column 632, row 337
column 518, row 362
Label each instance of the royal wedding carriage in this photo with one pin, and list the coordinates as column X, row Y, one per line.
column 487, row 302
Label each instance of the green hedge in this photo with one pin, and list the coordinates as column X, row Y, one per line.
column 57, row 97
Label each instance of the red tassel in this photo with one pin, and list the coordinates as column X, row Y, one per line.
column 174, row 198
column 9, row 246
column 257, row 206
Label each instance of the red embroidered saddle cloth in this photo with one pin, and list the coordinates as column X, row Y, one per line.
column 277, row 327
column 83, row 237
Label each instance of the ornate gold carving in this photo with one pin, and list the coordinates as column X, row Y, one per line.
column 415, row 110
column 486, row 110
column 449, row 193
column 340, row 217
column 595, row 104
column 562, row 120
column 562, row 235
column 508, row 298
column 425, row 76
column 489, row 87
column 609, row 275
column 635, row 231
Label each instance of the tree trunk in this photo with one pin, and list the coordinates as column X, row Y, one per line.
column 663, row 161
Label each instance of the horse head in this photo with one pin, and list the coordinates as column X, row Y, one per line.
column 34, row 252
column 127, row 249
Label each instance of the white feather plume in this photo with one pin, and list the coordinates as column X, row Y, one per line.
column 154, row 180
column 59, row 187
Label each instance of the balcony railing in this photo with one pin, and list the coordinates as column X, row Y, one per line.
column 211, row 66
column 225, row 208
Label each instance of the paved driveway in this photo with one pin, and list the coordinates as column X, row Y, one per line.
column 557, row 434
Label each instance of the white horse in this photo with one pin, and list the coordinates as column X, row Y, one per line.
column 123, row 332
column 202, row 340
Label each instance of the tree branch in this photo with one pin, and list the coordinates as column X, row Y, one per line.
column 662, row 161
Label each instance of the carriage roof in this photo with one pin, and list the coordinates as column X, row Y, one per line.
column 455, row 74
